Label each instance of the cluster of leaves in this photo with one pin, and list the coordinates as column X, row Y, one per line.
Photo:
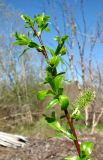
column 86, row 149
column 55, row 80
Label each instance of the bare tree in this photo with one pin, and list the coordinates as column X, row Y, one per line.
column 82, row 42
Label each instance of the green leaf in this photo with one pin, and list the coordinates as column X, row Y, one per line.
column 49, row 78
column 55, row 83
column 27, row 20
column 86, row 149
column 25, row 50
column 54, row 61
column 60, row 73
column 64, row 102
column 52, row 122
column 58, row 79
column 47, row 29
column 55, row 125
column 35, row 45
column 42, row 94
column 57, row 38
column 72, row 158
column 60, row 91
column 63, row 51
column 41, row 21
column 21, row 39
column 50, row 50
column 52, row 103
column 65, row 38
column 61, row 41
column 76, row 114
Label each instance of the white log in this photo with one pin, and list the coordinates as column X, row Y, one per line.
column 11, row 140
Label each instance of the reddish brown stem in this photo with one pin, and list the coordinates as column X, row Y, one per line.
column 40, row 40
column 70, row 121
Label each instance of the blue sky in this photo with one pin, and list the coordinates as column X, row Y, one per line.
column 93, row 9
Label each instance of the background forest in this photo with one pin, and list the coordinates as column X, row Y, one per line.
column 21, row 77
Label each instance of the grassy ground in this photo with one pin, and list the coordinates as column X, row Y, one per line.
column 41, row 129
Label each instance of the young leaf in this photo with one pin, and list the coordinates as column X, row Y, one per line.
column 52, row 103
column 64, row 102
column 60, row 91
column 27, row 20
column 35, row 45
column 61, row 42
column 25, row 50
column 72, row 158
column 42, row 94
column 76, row 114
column 65, row 38
column 49, row 78
column 41, row 21
column 58, row 80
column 47, row 29
column 51, row 51
column 52, row 122
column 60, row 73
column 57, row 38
column 63, row 51
column 86, row 149
column 21, row 39
column 54, row 61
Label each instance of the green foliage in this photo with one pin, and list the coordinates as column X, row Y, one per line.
column 61, row 50
column 42, row 22
column 64, row 102
column 52, row 103
column 28, row 21
column 42, row 94
column 54, row 79
column 72, row 158
column 53, row 122
column 85, row 150
column 54, row 61
column 21, row 39
column 76, row 114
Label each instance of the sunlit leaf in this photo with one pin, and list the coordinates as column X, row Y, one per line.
column 21, row 39
column 52, row 122
column 27, row 20
column 51, row 51
column 86, row 149
column 76, row 114
column 42, row 22
column 24, row 51
column 63, row 51
column 72, row 158
column 57, row 38
column 58, row 79
column 43, row 93
column 61, row 41
column 64, row 102
column 52, row 103
column 54, row 61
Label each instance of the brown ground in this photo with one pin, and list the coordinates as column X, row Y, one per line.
column 51, row 149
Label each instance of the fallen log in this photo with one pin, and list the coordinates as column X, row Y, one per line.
column 11, row 140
